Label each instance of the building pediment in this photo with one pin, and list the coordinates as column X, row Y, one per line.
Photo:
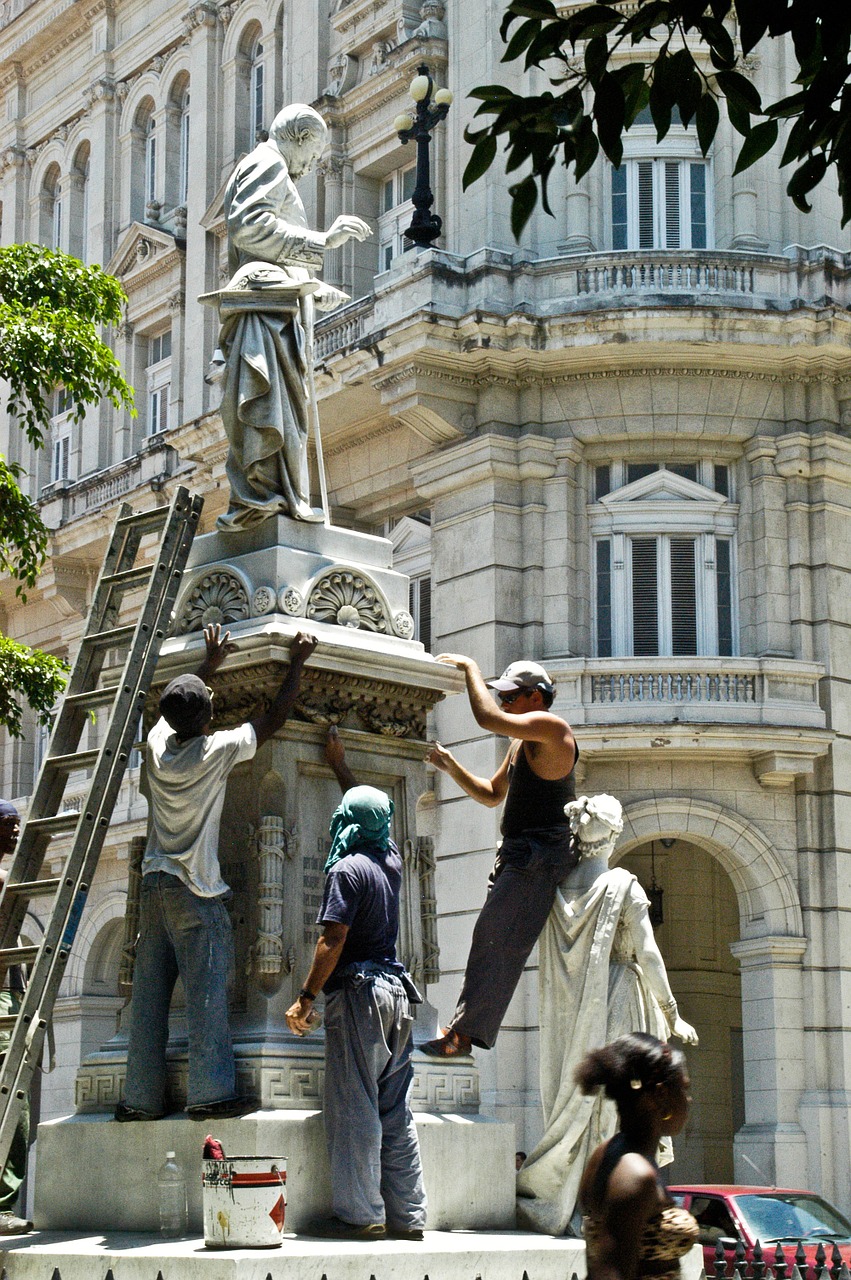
column 409, row 536
column 663, row 487
column 143, row 253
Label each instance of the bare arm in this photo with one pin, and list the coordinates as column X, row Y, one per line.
column 329, row 947
column 219, row 647
column 535, row 726
column 631, row 1197
column 487, row 791
column 335, row 755
column 653, row 967
column 276, row 714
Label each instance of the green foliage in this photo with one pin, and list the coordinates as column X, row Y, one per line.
column 52, row 309
column 23, row 536
column 29, row 674
column 694, row 64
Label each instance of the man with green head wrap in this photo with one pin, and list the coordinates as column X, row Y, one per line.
column 376, row 1174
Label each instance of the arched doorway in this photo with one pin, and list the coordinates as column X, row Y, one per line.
column 701, row 920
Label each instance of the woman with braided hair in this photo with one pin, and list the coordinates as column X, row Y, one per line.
column 632, row 1229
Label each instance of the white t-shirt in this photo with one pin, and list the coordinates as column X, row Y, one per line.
column 187, row 782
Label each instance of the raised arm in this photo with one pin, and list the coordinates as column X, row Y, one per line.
column 276, row 714
column 533, row 726
column 218, row 648
column 335, row 755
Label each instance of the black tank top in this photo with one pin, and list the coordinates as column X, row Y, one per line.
column 534, row 803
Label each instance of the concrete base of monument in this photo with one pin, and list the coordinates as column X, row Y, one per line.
column 94, row 1174
column 441, row 1256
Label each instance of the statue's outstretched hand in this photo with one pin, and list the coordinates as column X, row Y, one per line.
column 684, row 1031
column 346, row 227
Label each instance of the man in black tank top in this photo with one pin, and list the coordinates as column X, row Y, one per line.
column 536, row 781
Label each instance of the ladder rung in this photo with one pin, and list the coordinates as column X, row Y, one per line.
column 117, row 635
column 56, row 824
column 76, row 760
column 34, row 888
column 129, row 577
column 91, row 698
column 17, row 955
column 144, row 520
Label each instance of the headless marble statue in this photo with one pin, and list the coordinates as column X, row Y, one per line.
column 266, row 310
column 600, row 976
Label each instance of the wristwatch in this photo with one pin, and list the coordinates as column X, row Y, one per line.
column 304, row 994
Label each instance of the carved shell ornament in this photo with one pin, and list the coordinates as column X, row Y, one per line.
column 218, row 596
column 347, row 599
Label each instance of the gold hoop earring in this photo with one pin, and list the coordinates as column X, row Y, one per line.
column 668, row 1116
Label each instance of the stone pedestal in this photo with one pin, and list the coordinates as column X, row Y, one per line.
column 96, row 1175
column 377, row 685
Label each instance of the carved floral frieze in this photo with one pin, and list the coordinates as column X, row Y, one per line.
column 325, row 698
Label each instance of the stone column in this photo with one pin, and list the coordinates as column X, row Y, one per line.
column 764, row 592
column 487, row 497
column 205, row 125
column 771, row 1146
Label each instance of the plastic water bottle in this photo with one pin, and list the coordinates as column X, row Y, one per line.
column 173, row 1211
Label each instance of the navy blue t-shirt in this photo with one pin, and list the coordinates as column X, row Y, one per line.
column 362, row 891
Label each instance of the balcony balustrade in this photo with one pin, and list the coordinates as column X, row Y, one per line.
column 731, row 691
column 501, row 283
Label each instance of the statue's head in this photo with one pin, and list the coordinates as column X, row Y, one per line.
column 596, row 821
column 301, row 136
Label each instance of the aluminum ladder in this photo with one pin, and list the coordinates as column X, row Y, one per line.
column 90, row 689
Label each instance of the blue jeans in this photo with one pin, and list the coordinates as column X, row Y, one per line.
column 376, row 1174
column 181, row 934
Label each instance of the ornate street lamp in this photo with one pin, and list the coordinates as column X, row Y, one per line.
column 425, row 225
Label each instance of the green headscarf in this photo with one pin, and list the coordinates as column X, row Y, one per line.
column 363, row 817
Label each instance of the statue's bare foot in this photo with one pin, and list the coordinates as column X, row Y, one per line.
column 304, row 512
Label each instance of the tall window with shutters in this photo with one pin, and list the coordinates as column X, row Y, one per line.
column 664, row 559
column 661, row 204
column 419, row 605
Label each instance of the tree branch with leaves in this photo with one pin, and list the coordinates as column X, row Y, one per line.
column 602, row 80
column 52, row 312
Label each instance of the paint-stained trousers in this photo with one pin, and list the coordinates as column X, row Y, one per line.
column 521, row 891
column 376, row 1174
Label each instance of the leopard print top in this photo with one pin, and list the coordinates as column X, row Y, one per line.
column 667, row 1236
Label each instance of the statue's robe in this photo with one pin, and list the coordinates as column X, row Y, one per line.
column 592, row 990
column 265, row 393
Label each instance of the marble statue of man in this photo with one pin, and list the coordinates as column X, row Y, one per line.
column 601, row 975
column 266, row 308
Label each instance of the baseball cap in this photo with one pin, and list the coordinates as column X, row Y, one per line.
column 186, row 705
column 522, row 675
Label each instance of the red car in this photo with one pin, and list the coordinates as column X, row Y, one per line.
column 770, row 1215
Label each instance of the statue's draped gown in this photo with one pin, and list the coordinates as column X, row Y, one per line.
column 592, row 990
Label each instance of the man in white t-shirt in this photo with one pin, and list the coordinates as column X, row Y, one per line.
column 184, row 927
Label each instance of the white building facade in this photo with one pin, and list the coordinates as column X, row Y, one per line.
column 620, row 448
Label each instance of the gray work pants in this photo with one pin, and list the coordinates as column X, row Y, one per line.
column 376, row 1175
column 522, row 889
